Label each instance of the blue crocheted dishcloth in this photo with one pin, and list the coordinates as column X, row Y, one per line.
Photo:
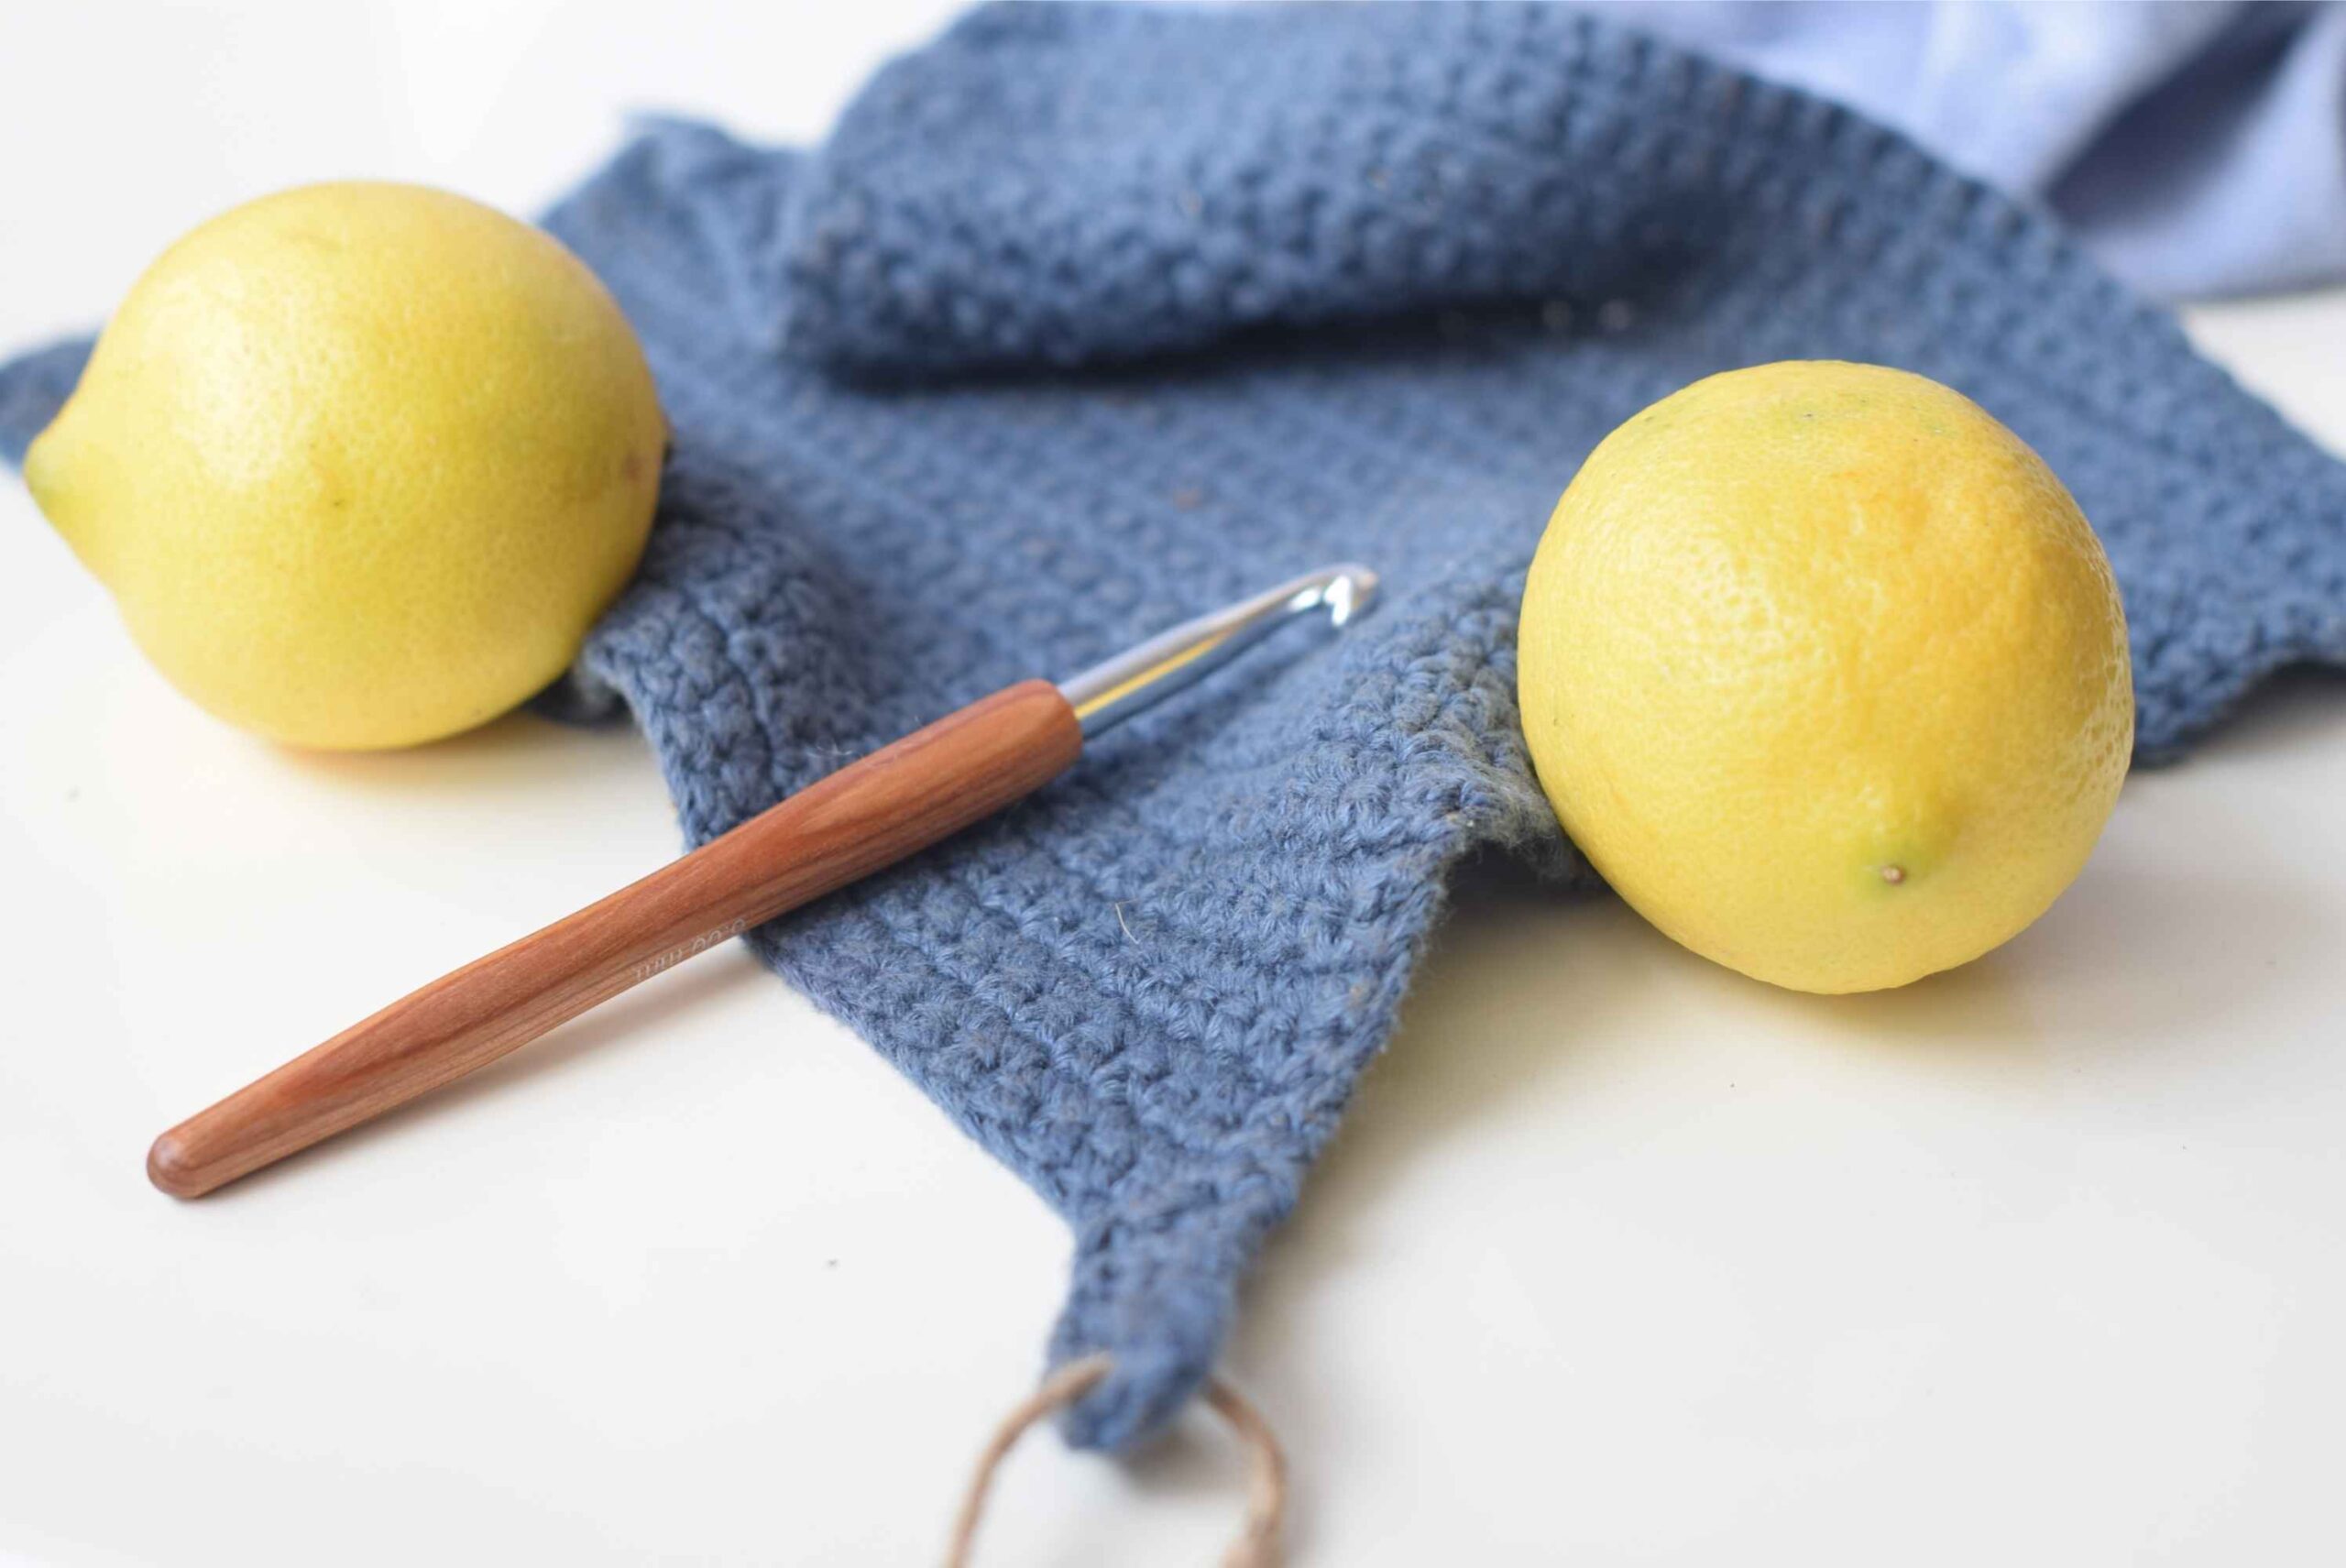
column 1086, row 320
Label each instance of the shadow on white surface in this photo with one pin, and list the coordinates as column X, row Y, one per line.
column 2297, row 706
column 517, row 754
column 635, row 1019
column 1562, row 1023
column 2134, row 953
column 1512, row 1008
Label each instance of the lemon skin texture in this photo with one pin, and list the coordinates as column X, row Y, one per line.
column 361, row 463
column 1825, row 673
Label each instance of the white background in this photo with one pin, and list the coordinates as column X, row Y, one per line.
column 1620, row 1258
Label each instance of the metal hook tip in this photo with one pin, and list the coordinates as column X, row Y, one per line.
column 1348, row 591
column 1121, row 687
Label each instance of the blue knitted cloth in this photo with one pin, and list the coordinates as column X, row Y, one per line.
column 1089, row 319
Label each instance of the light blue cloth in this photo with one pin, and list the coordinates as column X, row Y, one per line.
column 2195, row 146
column 1087, row 319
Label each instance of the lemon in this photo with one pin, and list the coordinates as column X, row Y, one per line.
column 361, row 463
column 1825, row 672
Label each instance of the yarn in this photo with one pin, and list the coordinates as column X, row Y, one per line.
column 1258, row 1544
column 1088, row 319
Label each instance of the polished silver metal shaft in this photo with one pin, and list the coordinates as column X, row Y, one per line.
column 1114, row 690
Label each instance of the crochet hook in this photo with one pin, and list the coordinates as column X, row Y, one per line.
column 869, row 815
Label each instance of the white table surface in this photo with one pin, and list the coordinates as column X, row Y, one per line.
column 1620, row 1258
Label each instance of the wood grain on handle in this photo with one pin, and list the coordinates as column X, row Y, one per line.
column 869, row 815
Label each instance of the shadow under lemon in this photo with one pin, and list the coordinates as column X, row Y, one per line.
column 519, row 753
column 1524, row 986
column 1531, row 1003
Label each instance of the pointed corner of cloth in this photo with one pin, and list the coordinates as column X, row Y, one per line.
column 1156, row 1288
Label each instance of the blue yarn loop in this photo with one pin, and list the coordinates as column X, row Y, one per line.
column 1087, row 319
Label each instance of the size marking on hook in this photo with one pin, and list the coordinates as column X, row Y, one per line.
column 683, row 950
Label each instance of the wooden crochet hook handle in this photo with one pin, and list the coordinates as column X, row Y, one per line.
column 870, row 814
column 906, row 797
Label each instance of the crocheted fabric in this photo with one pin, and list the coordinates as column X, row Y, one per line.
column 1089, row 319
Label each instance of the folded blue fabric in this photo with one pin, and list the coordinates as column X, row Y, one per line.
column 1090, row 318
column 2193, row 146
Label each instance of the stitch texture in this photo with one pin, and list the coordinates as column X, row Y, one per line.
column 1087, row 319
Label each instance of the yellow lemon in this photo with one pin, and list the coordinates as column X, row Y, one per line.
column 361, row 463
column 1823, row 669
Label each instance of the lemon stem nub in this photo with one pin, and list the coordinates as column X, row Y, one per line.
column 1893, row 875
